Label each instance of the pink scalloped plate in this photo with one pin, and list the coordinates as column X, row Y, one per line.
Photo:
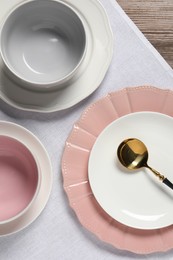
column 75, row 168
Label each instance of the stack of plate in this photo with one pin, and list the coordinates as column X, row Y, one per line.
column 132, row 211
column 92, row 70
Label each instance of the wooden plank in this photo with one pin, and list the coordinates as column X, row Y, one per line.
column 155, row 19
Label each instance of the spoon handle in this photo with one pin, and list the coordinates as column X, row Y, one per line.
column 156, row 173
column 161, row 177
column 168, row 183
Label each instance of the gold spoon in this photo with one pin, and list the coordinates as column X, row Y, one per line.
column 133, row 154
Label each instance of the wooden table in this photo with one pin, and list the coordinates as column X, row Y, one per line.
column 155, row 19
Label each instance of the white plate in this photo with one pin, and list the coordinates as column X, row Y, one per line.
column 95, row 65
column 39, row 152
column 137, row 199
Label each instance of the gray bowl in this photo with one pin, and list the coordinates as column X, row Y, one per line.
column 43, row 44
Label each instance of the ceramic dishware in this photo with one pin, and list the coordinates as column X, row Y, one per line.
column 75, row 159
column 137, row 200
column 43, row 44
column 21, row 135
column 20, row 179
column 90, row 74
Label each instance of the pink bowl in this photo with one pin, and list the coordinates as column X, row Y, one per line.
column 19, row 178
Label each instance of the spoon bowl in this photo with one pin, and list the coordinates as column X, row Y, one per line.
column 133, row 154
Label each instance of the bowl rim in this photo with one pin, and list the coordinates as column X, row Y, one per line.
column 51, row 84
column 38, row 185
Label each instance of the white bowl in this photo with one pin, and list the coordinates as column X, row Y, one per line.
column 43, row 43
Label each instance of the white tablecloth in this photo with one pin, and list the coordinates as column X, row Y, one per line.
column 57, row 234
